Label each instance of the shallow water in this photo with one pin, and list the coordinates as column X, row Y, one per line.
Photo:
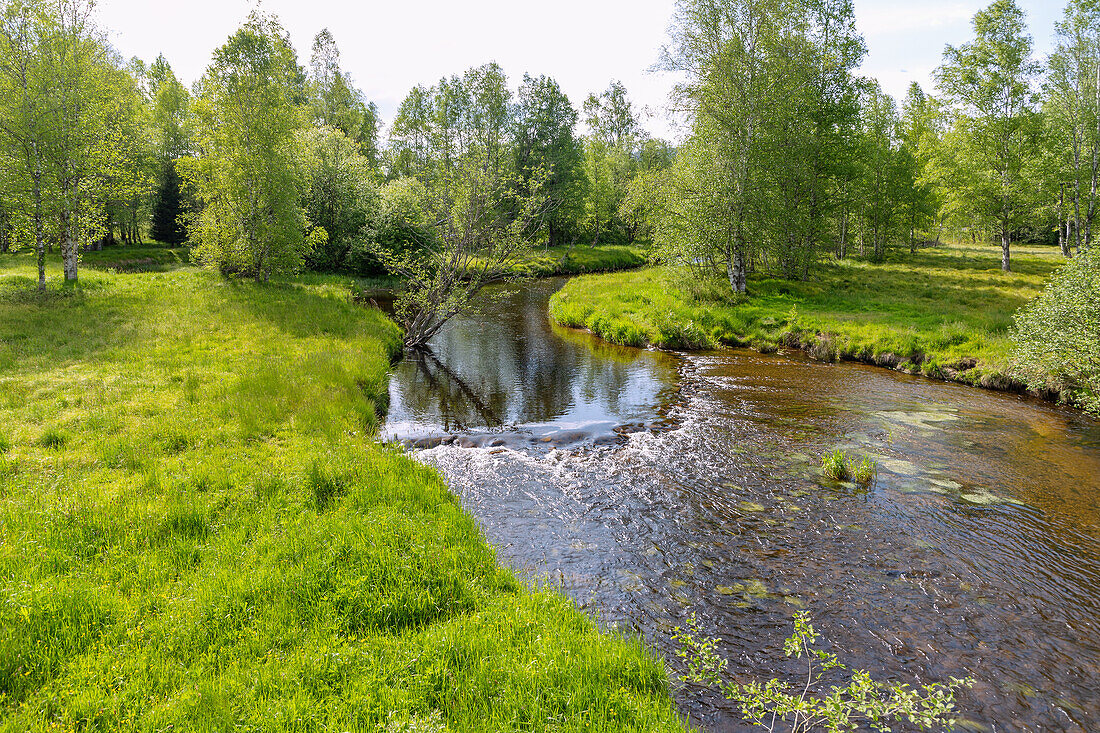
column 652, row 486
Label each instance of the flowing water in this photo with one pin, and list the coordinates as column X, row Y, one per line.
column 652, row 486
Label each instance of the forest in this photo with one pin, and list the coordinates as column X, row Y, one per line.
column 99, row 149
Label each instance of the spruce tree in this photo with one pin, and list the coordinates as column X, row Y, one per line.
column 166, row 208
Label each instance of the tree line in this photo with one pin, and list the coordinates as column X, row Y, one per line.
column 267, row 165
column 792, row 156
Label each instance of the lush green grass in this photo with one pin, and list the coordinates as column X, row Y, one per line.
column 944, row 311
column 581, row 258
column 197, row 531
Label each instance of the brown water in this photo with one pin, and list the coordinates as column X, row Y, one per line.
column 652, row 486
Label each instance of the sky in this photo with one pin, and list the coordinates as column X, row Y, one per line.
column 389, row 46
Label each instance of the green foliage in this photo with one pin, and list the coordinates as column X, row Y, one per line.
column 1056, row 337
column 341, row 198
column 806, row 705
column 839, row 466
column 167, row 223
column 544, row 140
column 222, row 545
column 773, row 102
column 993, row 128
column 835, row 465
column 248, row 176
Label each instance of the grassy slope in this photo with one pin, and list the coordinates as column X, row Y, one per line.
column 934, row 311
column 197, row 532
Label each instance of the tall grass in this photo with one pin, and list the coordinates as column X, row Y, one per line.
column 943, row 312
column 217, row 543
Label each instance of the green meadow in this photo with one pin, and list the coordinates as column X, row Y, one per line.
column 944, row 311
column 200, row 532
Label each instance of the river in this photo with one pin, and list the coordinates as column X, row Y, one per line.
column 651, row 486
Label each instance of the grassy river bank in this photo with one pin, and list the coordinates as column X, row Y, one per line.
column 944, row 312
column 198, row 531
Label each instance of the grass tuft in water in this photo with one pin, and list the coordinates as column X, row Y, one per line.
column 838, row 466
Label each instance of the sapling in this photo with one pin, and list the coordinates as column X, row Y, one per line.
column 806, row 705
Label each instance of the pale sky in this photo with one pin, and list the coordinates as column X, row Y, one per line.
column 389, row 47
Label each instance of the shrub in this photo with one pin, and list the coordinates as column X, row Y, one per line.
column 1056, row 338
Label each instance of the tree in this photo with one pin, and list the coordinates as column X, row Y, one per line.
column 608, row 154
column 340, row 194
column 410, row 135
column 545, row 140
column 25, row 121
column 919, row 137
column 479, row 231
column 1072, row 114
column 172, row 139
column 336, row 102
column 989, row 83
column 81, row 150
column 749, row 185
column 247, row 173
column 167, row 226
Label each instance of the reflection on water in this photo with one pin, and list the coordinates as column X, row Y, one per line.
column 976, row 552
column 505, row 373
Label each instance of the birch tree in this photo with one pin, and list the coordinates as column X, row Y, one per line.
column 1072, row 114
column 989, row 83
column 247, row 173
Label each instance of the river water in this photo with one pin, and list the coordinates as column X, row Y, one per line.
column 651, row 486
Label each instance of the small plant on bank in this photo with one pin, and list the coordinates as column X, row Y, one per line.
column 838, row 466
column 776, row 704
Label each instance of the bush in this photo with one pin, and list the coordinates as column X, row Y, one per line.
column 1056, row 338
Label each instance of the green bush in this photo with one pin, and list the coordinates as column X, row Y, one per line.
column 1057, row 336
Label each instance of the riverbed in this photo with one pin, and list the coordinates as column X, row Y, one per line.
column 651, row 486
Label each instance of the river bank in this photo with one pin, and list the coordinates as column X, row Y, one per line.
column 198, row 531
column 942, row 312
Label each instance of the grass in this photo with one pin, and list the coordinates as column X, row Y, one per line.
column 838, row 466
column 581, row 258
column 198, row 531
column 943, row 312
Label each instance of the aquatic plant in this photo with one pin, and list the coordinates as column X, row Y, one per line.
column 865, row 472
column 839, row 466
column 835, row 465
column 775, row 703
